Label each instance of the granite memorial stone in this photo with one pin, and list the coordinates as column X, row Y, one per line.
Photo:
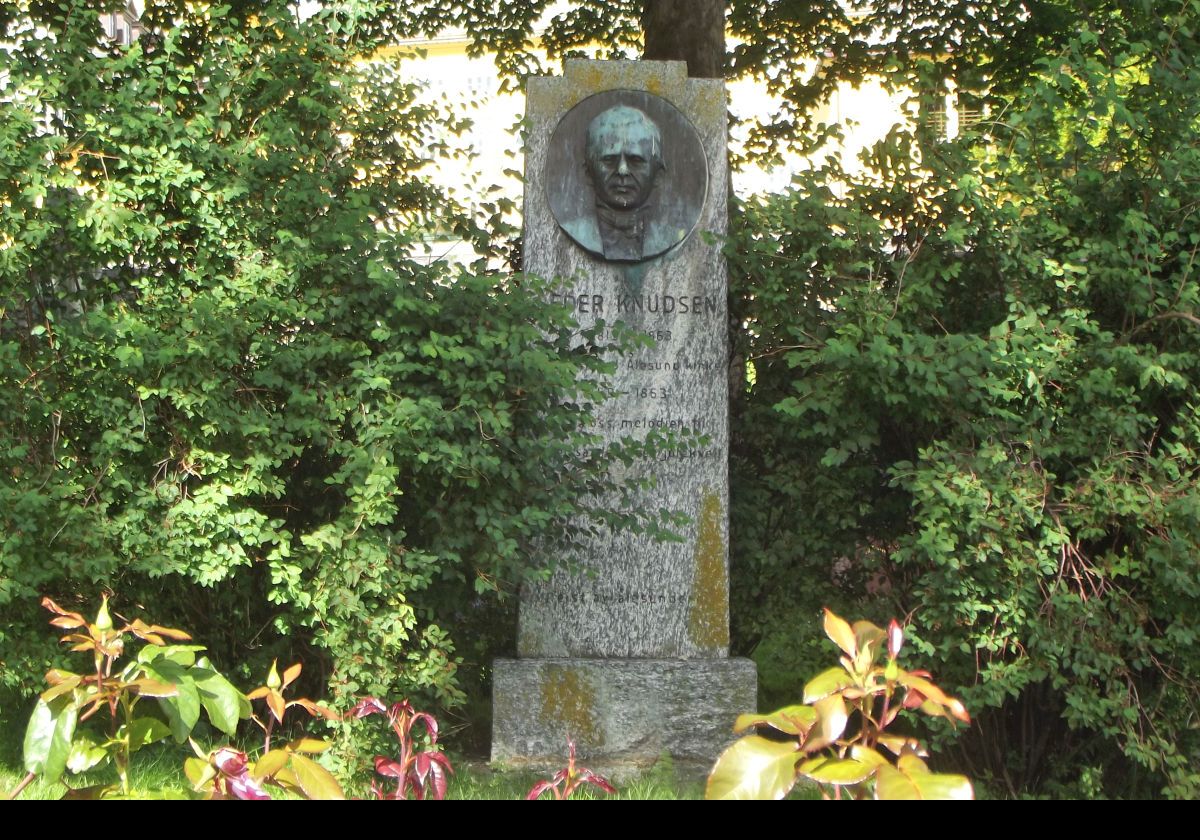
column 626, row 175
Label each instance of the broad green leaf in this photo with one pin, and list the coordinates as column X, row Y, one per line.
column 754, row 768
column 182, row 710
column 198, row 771
column 911, row 763
column 85, row 754
column 315, row 780
column 183, row 655
column 837, row 629
column 827, row 682
column 48, row 737
column 794, row 720
column 867, row 755
column 913, row 783
column 224, row 703
column 836, row 771
column 145, row 730
column 270, row 764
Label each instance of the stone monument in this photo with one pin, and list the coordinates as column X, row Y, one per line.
column 626, row 177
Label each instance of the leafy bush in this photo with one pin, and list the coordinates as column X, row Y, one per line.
column 229, row 381
column 839, row 737
column 179, row 677
column 974, row 404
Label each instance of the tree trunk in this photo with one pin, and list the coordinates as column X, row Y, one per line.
column 686, row 30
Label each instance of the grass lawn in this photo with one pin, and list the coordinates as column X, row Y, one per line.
column 157, row 774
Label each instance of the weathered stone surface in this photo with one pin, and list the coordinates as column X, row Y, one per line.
column 621, row 713
column 631, row 658
column 644, row 598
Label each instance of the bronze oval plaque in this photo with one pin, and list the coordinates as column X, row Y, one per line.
column 626, row 176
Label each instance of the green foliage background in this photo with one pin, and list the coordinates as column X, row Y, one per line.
column 232, row 387
column 974, row 406
column 230, row 390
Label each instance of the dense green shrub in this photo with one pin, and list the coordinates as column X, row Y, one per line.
column 974, row 403
column 230, row 385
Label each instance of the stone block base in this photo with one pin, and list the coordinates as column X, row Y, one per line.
column 621, row 713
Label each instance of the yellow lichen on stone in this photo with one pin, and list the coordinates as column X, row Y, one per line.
column 568, row 699
column 708, row 610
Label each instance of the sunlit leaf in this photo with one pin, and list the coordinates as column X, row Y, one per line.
column 794, row 720
column 308, row 745
column 270, row 764
column 48, row 737
column 838, row 630
column 836, row 771
column 831, row 723
column 315, row 780
column 827, row 682
column 754, row 768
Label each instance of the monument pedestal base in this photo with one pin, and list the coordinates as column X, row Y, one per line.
column 623, row 712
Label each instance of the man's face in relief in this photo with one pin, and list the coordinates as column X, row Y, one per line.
column 624, row 157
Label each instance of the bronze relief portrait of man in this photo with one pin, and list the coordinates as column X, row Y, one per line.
column 626, row 177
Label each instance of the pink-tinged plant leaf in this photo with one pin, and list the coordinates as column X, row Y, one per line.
column 839, row 631
column 430, row 725
column 421, row 765
column 79, row 620
column 56, row 675
column 538, row 789
column 153, row 688
column 831, row 723
column 314, row 709
column 895, row 636
column 437, row 776
column 229, row 761
column 826, row 683
column 599, row 781
column 385, row 766
column 909, row 679
column 91, row 792
column 66, row 684
column 400, row 710
column 913, row 699
column 154, row 634
column 836, row 771
column 891, row 715
column 276, row 704
column 367, row 706
column 258, row 693
column 792, row 720
column 244, row 787
column 754, row 768
column 290, row 675
column 68, row 623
